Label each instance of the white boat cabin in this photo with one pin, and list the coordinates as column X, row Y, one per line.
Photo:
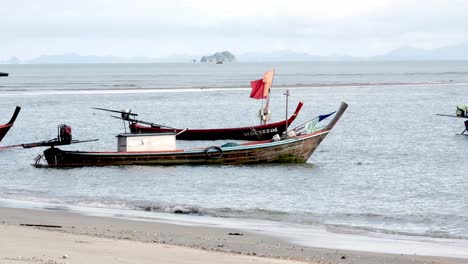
column 146, row 142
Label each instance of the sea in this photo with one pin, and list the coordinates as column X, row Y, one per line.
column 390, row 177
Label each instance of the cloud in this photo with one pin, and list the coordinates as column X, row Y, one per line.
column 361, row 27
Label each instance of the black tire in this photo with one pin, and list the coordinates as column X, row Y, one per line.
column 214, row 152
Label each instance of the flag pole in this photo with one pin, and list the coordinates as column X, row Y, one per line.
column 268, row 98
column 287, row 101
column 261, row 114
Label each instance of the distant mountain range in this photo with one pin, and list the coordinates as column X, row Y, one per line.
column 453, row 52
column 73, row 58
column 287, row 55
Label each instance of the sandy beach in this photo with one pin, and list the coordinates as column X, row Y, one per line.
column 37, row 236
column 43, row 246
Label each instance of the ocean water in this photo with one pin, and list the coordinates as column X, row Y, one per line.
column 390, row 168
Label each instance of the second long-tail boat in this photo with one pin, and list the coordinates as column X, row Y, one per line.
column 6, row 127
column 260, row 90
column 259, row 132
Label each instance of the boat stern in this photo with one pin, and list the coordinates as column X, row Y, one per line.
column 53, row 157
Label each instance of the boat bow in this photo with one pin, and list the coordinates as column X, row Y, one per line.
column 337, row 116
column 6, row 127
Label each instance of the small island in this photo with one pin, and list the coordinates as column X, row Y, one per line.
column 219, row 57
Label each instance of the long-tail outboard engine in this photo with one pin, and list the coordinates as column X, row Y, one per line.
column 125, row 114
column 462, row 110
column 64, row 134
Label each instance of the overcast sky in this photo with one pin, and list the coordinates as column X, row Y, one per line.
column 154, row 28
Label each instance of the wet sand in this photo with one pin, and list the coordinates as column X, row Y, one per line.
column 74, row 238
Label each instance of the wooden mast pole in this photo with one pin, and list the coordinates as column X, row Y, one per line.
column 266, row 110
column 261, row 113
column 287, row 101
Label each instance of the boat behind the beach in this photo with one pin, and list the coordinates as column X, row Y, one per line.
column 6, row 127
column 264, row 131
column 461, row 112
column 159, row 149
column 258, row 132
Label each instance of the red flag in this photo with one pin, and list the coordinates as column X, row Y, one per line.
column 261, row 88
column 257, row 89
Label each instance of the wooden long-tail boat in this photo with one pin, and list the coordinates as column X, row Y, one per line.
column 264, row 131
column 259, row 132
column 6, row 127
column 293, row 149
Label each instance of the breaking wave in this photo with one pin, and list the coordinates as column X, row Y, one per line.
column 353, row 223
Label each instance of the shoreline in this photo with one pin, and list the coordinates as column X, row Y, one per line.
column 203, row 239
column 149, row 90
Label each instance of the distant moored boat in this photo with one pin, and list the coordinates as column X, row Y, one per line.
column 461, row 112
column 4, row 74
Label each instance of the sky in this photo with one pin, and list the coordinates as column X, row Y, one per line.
column 154, row 28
